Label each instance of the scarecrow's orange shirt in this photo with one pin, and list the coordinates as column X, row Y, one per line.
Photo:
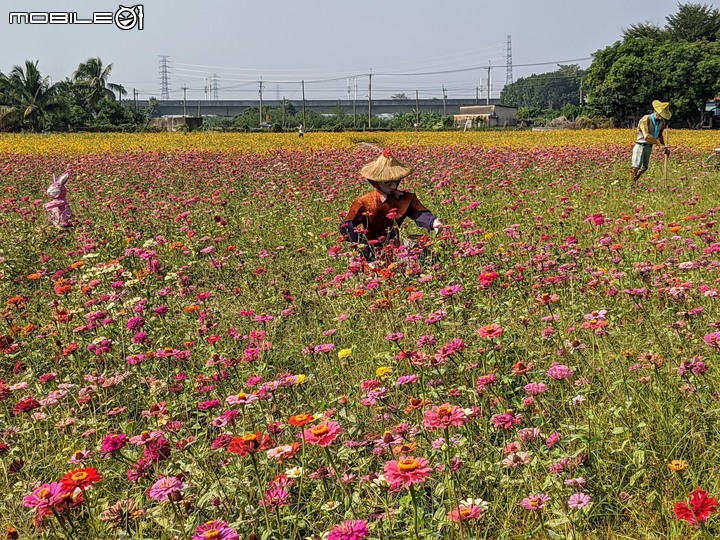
column 371, row 211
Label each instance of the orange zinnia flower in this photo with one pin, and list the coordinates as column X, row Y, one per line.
column 300, row 420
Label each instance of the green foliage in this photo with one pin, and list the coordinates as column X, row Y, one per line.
column 679, row 63
column 27, row 98
column 626, row 77
column 93, row 77
column 551, row 90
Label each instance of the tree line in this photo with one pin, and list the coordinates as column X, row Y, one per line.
column 679, row 62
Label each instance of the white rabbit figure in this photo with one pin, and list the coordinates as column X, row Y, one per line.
column 58, row 208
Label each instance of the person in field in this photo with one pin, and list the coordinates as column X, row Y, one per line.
column 374, row 218
column 58, row 208
column 650, row 133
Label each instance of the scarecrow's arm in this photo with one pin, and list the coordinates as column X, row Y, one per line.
column 422, row 216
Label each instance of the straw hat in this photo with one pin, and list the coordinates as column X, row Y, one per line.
column 662, row 108
column 386, row 168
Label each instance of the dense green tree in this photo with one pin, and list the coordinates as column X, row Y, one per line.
column 551, row 90
column 626, row 77
column 694, row 22
column 93, row 77
column 27, row 98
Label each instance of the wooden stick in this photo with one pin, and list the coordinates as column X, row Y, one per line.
column 665, row 171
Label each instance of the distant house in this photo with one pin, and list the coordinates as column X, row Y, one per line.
column 711, row 120
column 486, row 115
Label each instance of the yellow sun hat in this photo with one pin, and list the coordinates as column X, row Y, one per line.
column 386, row 168
column 662, row 108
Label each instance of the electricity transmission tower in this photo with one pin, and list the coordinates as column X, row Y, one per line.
column 508, row 62
column 164, row 77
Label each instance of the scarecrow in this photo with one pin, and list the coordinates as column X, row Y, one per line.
column 58, row 208
column 376, row 216
column 650, row 133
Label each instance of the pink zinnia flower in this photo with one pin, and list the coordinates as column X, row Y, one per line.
column 215, row 530
column 506, row 420
column 468, row 509
column 241, row 399
column 579, row 500
column 443, row 416
column 165, row 487
column 559, row 371
column 407, row 471
column 490, row 331
column 322, row 434
column 44, row 497
column 535, row 502
column 450, row 290
column 145, row 437
column 350, row 530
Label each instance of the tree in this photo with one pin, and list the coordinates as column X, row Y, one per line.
column 93, row 77
column 624, row 79
column 645, row 30
column 694, row 22
column 27, row 98
column 551, row 90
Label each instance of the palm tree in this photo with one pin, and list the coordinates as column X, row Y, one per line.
column 26, row 97
column 93, row 77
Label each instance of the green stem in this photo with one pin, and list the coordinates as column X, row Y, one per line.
column 415, row 512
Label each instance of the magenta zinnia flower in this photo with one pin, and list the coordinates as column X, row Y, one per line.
column 444, row 416
column 215, row 530
column 166, row 486
column 350, row 530
column 407, row 471
column 322, row 434
column 44, row 497
column 112, row 443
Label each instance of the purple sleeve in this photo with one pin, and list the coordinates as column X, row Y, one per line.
column 425, row 220
column 347, row 229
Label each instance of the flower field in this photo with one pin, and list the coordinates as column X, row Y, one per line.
column 201, row 357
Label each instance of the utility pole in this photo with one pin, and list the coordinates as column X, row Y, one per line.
column 581, row 94
column 260, row 92
column 283, row 109
column 135, row 98
column 303, row 96
column 477, row 95
column 444, row 101
column 489, row 82
column 354, row 100
column 370, row 100
column 417, row 110
column 184, row 89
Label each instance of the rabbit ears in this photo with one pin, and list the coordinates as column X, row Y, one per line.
column 64, row 177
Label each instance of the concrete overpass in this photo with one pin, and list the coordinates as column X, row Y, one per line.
column 320, row 106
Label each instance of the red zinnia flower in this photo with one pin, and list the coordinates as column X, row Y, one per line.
column 249, row 443
column 80, row 479
column 700, row 508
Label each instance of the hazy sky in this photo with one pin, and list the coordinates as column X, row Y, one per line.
column 423, row 45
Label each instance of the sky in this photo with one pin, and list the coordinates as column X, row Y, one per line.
column 234, row 49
